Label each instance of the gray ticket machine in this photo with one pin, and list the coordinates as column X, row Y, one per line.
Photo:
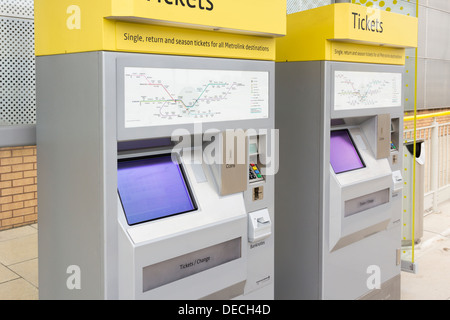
column 155, row 177
column 339, row 187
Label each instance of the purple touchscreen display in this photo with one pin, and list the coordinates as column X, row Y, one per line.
column 152, row 188
column 343, row 154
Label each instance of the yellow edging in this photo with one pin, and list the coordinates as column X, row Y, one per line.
column 425, row 116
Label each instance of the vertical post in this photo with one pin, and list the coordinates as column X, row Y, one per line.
column 435, row 163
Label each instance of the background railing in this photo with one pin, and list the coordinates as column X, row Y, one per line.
column 436, row 137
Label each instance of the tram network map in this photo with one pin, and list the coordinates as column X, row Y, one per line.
column 357, row 89
column 163, row 96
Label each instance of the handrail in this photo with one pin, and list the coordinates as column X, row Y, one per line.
column 428, row 115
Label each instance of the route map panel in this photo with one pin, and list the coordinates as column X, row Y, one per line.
column 162, row 96
column 357, row 89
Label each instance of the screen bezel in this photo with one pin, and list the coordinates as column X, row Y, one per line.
column 354, row 147
column 185, row 180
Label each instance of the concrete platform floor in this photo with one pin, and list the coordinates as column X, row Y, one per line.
column 432, row 257
column 19, row 262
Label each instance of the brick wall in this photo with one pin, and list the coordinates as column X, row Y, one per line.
column 18, row 187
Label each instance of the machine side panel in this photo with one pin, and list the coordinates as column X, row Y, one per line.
column 111, row 238
column 69, row 148
column 298, row 96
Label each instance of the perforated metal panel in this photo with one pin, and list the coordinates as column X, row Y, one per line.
column 301, row 5
column 17, row 8
column 17, row 63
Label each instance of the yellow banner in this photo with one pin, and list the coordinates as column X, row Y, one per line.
column 350, row 52
column 166, row 40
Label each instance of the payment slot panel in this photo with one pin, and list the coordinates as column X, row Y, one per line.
column 257, row 194
column 258, row 203
column 254, row 171
column 395, row 159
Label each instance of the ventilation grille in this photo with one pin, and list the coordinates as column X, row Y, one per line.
column 17, row 8
column 17, row 63
column 301, row 5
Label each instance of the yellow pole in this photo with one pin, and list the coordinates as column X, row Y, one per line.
column 414, row 153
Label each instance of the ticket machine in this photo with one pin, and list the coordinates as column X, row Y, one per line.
column 155, row 176
column 339, row 187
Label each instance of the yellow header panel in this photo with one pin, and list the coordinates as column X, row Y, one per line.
column 347, row 32
column 132, row 37
column 217, row 28
column 373, row 26
column 262, row 17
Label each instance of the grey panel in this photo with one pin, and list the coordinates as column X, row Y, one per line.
column 298, row 97
column 422, row 32
column 437, row 39
column 437, row 85
column 409, row 79
column 69, row 129
column 439, row 4
column 420, row 84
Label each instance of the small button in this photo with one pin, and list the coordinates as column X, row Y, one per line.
column 256, row 171
column 259, row 176
column 255, row 168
